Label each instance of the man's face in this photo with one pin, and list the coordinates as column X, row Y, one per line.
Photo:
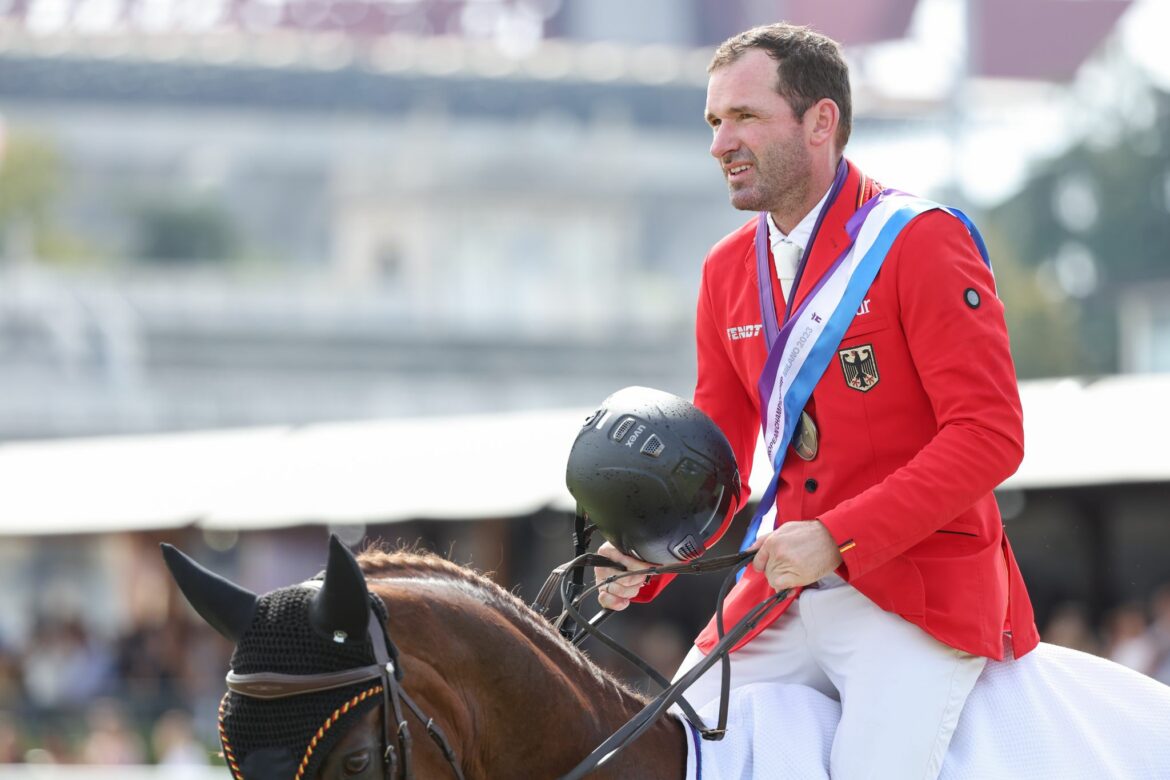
column 759, row 142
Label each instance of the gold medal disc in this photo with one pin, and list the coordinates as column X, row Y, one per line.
column 805, row 439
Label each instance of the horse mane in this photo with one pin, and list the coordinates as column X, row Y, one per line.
column 407, row 564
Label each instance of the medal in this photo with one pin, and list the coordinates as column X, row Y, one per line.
column 804, row 439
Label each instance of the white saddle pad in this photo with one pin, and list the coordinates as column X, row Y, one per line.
column 1055, row 713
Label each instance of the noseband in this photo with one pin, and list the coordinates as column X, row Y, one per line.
column 387, row 672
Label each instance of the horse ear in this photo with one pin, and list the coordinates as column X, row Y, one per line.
column 226, row 607
column 343, row 603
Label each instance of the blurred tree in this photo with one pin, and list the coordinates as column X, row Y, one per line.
column 180, row 233
column 28, row 179
column 30, row 182
column 1089, row 225
column 1043, row 332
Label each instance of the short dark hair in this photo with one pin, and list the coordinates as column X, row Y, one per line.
column 809, row 66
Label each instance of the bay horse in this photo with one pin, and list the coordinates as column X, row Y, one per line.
column 476, row 685
column 511, row 696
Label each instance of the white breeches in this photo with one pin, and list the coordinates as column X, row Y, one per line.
column 901, row 690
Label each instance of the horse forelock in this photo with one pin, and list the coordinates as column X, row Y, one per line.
column 426, row 568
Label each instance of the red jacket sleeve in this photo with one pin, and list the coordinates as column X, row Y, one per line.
column 721, row 395
column 961, row 354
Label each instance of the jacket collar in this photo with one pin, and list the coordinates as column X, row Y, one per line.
column 832, row 239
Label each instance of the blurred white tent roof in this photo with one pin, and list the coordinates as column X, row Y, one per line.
column 444, row 468
column 1106, row 431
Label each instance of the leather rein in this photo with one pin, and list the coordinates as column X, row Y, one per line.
column 396, row 756
column 563, row 579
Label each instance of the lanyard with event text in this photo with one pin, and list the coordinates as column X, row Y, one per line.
column 764, row 270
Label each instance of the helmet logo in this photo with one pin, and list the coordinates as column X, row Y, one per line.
column 634, row 436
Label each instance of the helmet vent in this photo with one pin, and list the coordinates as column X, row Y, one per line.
column 687, row 549
column 653, row 446
column 623, row 428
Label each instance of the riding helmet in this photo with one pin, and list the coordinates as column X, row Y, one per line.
column 655, row 475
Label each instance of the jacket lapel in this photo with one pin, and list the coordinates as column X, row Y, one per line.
column 829, row 243
column 832, row 239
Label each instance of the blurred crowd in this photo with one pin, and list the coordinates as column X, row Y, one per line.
column 1134, row 634
column 148, row 695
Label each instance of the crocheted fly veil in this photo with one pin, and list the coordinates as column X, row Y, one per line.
column 298, row 731
column 313, row 628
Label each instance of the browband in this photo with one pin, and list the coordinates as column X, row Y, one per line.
column 273, row 685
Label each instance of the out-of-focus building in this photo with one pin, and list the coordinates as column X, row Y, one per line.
column 415, row 233
column 287, row 212
column 290, row 226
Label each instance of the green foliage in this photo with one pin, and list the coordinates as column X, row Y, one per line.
column 30, row 184
column 1123, row 221
column 1132, row 229
column 29, row 180
column 1043, row 332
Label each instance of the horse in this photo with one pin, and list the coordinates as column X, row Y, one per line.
column 501, row 694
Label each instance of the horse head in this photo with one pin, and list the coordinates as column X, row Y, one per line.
column 310, row 668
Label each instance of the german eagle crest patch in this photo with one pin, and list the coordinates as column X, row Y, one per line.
column 860, row 367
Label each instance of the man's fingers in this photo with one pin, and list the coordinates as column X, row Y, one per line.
column 603, row 573
column 622, row 588
column 634, row 581
column 763, row 556
column 609, row 601
column 608, row 550
column 781, row 581
column 616, row 595
column 782, row 575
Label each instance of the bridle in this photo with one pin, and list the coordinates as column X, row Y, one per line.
column 386, row 672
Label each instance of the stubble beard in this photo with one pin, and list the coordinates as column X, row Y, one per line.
column 782, row 182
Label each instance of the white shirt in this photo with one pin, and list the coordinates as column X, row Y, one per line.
column 799, row 237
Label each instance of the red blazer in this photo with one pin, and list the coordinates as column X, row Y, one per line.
column 904, row 474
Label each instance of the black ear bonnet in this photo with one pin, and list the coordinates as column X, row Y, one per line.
column 299, row 729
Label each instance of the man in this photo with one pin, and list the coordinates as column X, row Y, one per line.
column 886, row 528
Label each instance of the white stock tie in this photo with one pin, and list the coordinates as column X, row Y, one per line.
column 787, row 256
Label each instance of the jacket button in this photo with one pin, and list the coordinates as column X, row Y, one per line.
column 810, row 485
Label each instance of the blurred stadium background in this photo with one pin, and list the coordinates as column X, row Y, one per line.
column 274, row 268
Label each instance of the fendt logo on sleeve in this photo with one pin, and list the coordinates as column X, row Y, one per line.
column 737, row 332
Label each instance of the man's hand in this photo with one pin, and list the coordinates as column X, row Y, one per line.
column 617, row 594
column 796, row 553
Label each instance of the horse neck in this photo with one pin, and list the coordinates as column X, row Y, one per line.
column 573, row 707
column 659, row 754
column 524, row 702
